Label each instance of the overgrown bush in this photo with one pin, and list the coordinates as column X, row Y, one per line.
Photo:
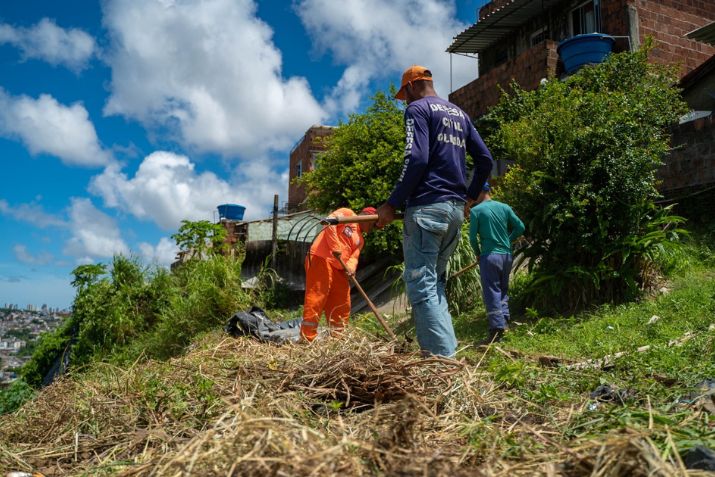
column 129, row 311
column 585, row 153
column 50, row 346
column 113, row 309
column 15, row 395
column 203, row 294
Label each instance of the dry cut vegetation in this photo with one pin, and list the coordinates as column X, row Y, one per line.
column 356, row 406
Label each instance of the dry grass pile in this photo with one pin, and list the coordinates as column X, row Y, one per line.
column 339, row 407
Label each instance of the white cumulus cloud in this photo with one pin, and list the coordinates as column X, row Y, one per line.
column 208, row 71
column 167, row 189
column 163, row 253
column 46, row 41
column 94, row 233
column 375, row 39
column 46, row 126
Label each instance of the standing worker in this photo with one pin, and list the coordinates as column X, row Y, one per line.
column 497, row 226
column 326, row 281
column 433, row 186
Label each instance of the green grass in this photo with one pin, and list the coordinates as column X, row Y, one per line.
column 657, row 380
column 689, row 306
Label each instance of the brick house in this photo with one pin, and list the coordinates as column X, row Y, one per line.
column 517, row 39
column 690, row 167
column 302, row 160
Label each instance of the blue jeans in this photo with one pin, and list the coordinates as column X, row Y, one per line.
column 494, row 270
column 431, row 233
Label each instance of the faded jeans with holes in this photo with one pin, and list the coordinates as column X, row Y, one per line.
column 431, row 233
column 494, row 269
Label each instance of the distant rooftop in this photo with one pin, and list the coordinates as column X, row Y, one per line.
column 313, row 127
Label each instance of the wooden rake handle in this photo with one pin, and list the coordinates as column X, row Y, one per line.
column 369, row 302
column 354, row 219
column 463, row 271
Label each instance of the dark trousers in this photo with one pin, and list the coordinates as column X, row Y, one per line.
column 494, row 272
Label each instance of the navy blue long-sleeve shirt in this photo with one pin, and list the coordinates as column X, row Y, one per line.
column 438, row 136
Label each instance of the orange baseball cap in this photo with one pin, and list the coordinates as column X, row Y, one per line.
column 413, row 73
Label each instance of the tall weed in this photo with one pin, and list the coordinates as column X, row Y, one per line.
column 206, row 293
column 464, row 291
column 131, row 311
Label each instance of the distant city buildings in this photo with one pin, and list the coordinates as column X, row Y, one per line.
column 18, row 329
column 43, row 309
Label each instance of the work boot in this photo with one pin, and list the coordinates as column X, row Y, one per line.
column 308, row 330
column 495, row 335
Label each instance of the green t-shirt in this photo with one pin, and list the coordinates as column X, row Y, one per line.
column 497, row 226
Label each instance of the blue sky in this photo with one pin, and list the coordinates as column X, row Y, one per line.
column 120, row 118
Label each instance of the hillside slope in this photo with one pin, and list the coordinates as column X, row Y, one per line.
column 359, row 406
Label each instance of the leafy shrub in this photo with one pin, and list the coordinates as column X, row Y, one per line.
column 49, row 347
column 585, row 153
column 204, row 294
column 130, row 311
column 114, row 309
column 15, row 395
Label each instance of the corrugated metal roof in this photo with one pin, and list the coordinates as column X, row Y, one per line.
column 497, row 24
column 705, row 34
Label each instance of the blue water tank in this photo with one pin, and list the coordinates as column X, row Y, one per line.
column 231, row 211
column 584, row 49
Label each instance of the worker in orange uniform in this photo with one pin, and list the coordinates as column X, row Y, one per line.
column 327, row 288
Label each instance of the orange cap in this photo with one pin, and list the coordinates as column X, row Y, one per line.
column 413, row 73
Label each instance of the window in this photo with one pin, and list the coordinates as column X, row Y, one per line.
column 298, row 169
column 313, row 160
column 501, row 56
column 538, row 36
column 585, row 18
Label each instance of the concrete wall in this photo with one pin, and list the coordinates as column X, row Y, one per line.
column 668, row 21
column 691, row 163
column 527, row 69
column 700, row 96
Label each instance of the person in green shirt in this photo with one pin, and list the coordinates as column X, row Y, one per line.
column 493, row 227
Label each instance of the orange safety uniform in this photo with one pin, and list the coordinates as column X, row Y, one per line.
column 326, row 285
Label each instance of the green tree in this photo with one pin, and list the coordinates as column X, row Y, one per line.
column 200, row 238
column 361, row 165
column 86, row 275
column 585, row 153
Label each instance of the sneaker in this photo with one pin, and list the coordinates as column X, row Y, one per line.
column 495, row 335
